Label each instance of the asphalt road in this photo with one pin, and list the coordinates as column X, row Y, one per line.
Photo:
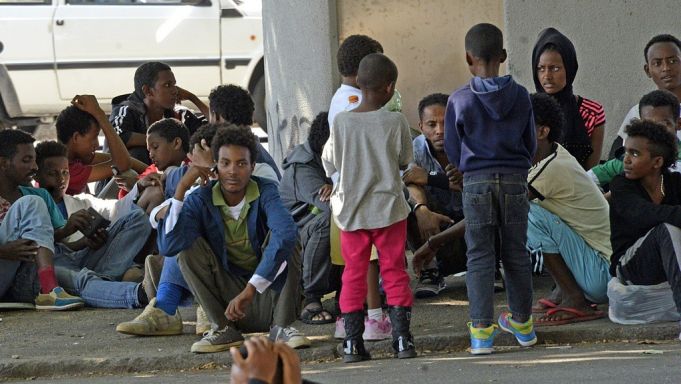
column 620, row 363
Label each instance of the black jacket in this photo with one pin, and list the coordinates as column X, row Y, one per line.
column 633, row 213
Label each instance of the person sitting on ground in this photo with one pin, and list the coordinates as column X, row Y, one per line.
column 92, row 266
column 28, row 218
column 169, row 288
column 168, row 145
column 370, row 135
column 236, row 245
column 156, row 96
column 567, row 224
column 660, row 107
column 78, row 128
column 305, row 192
column 645, row 212
column 554, row 68
column 231, row 104
column 435, row 206
column 346, row 98
column 662, row 55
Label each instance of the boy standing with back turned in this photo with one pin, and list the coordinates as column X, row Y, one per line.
column 368, row 146
column 490, row 137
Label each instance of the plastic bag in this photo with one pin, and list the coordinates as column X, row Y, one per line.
column 640, row 304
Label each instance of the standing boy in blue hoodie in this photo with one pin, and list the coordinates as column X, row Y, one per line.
column 490, row 137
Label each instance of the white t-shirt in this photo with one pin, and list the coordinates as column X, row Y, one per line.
column 563, row 188
column 633, row 114
column 235, row 211
column 346, row 98
column 368, row 149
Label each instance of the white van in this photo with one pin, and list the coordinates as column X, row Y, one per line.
column 51, row 50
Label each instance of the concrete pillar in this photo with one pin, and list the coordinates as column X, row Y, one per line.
column 301, row 40
column 609, row 37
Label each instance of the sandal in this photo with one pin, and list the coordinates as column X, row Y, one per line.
column 312, row 310
column 577, row 316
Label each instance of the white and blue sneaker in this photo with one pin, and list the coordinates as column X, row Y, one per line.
column 523, row 332
column 482, row 339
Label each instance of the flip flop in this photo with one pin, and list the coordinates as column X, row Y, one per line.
column 309, row 312
column 578, row 317
column 546, row 305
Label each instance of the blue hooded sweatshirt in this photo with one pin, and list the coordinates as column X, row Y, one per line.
column 489, row 127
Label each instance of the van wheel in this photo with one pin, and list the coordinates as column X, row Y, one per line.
column 260, row 115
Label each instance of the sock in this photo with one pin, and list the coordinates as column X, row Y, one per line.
column 168, row 297
column 375, row 314
column 142, row 298
column 47, row 278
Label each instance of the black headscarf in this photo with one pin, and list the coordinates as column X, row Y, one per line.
column 574, row 138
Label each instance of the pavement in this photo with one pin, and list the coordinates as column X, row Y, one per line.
column 50, row 344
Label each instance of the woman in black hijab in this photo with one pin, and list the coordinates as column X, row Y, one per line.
column 554, row 63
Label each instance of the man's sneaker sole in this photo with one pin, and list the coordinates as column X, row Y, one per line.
column 215, row 347
column 521, row 342
column 65, row 307
column 299, row 342
column 482, row 351
column 166, row 332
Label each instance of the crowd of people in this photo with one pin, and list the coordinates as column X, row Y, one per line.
column 190, row 207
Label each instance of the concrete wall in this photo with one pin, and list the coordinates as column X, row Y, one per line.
column 425, row 39
column 609, row 37
column 301, row 40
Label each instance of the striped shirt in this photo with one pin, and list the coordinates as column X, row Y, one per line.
column 592, row 113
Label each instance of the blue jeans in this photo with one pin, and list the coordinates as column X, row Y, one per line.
column 95, row 274
column 98, row 291
column 127, row 236
column 27, row 218
column 497, row 204
column 547, row 233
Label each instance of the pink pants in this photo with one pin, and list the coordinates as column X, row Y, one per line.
column 356, row 251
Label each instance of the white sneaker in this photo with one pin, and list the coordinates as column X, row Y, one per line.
column 289, row 335
column 203, row 325
column 377, row 330
column 218, row 340
column 152, row 322
column 340, row 329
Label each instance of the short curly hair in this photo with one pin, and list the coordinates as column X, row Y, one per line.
column 230, row 134
column 170, row 129
column 319, row 132
column 205, row 132
column 10, row 139
column 547, row 112
column 661, row 142
column 432, row 99
column 660, row 98
column 664, row 38
column 352, row 50
column 147, row 74
column 232, row 103
column 72, row 120
column 48, row 149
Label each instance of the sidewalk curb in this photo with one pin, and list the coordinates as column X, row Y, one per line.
column 589, row 332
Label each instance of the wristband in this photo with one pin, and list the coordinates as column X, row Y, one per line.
column 417, row 206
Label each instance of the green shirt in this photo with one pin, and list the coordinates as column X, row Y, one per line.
column 607, row 171
column 237, row 243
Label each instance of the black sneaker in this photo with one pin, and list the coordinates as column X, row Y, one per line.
column 430, row 284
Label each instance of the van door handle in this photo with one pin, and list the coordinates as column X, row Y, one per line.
column 60, row 22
